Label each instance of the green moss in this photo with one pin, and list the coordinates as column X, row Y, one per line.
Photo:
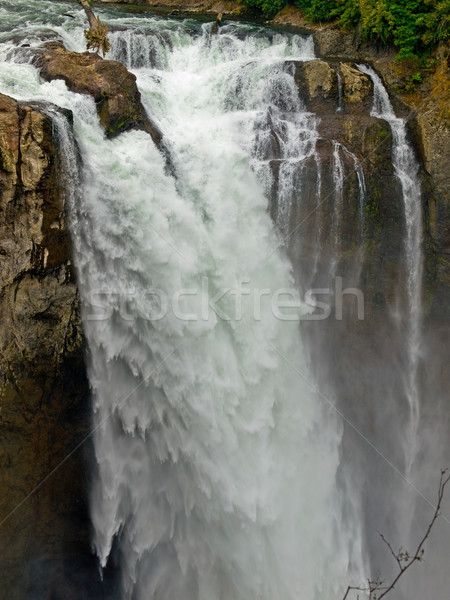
column 372, row 211
column 410, row 85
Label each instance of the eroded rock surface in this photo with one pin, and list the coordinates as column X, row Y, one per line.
column 356, row 86
column 317, row 83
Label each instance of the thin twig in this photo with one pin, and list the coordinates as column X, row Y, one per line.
column 403, row 558
column 391, row 549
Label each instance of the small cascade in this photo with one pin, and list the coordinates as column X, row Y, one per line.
column 338, row 200
column 315, row 249
column 283, row 141
column 136, row 50
column 406, row 168
column 68, row 155
column 361, row 188
column 340, row 106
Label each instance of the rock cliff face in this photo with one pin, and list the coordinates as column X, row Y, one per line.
column 44, row 407
column 368, row 229
column 426, row 106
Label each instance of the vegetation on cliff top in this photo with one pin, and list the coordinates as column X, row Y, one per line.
column 414, row 26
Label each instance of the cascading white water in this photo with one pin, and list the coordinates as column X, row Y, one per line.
column 217, row 465
column 338, row 177
column 217, row 461
column 338, row 187
column 285, row 137
column 361, row 186
column 206, row 468
column 315, row 254
column 406, row 169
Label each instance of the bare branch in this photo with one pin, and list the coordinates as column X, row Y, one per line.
column 403, row 559
column 89, row 13
column 391, row 550
column 351, row 587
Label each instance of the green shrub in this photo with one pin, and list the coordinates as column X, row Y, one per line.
column 436, row 22
column 267, row 7
column 414, row 26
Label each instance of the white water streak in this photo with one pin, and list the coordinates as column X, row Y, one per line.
column 361, row 188
column 340, row 107
column 406, row 168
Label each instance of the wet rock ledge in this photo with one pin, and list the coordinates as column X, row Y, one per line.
column 113, row 88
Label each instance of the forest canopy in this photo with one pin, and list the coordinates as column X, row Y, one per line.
column 414, row 26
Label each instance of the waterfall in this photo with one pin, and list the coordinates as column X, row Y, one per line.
column 219, row 464
column 285, row 137
column 316, row 248
column 209, row 441
column 406, row 169
column 217, row 459
column 361, row 187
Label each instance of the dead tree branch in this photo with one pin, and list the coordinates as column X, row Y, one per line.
column 89, row 13
column 97, row 34
column 403, row 558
